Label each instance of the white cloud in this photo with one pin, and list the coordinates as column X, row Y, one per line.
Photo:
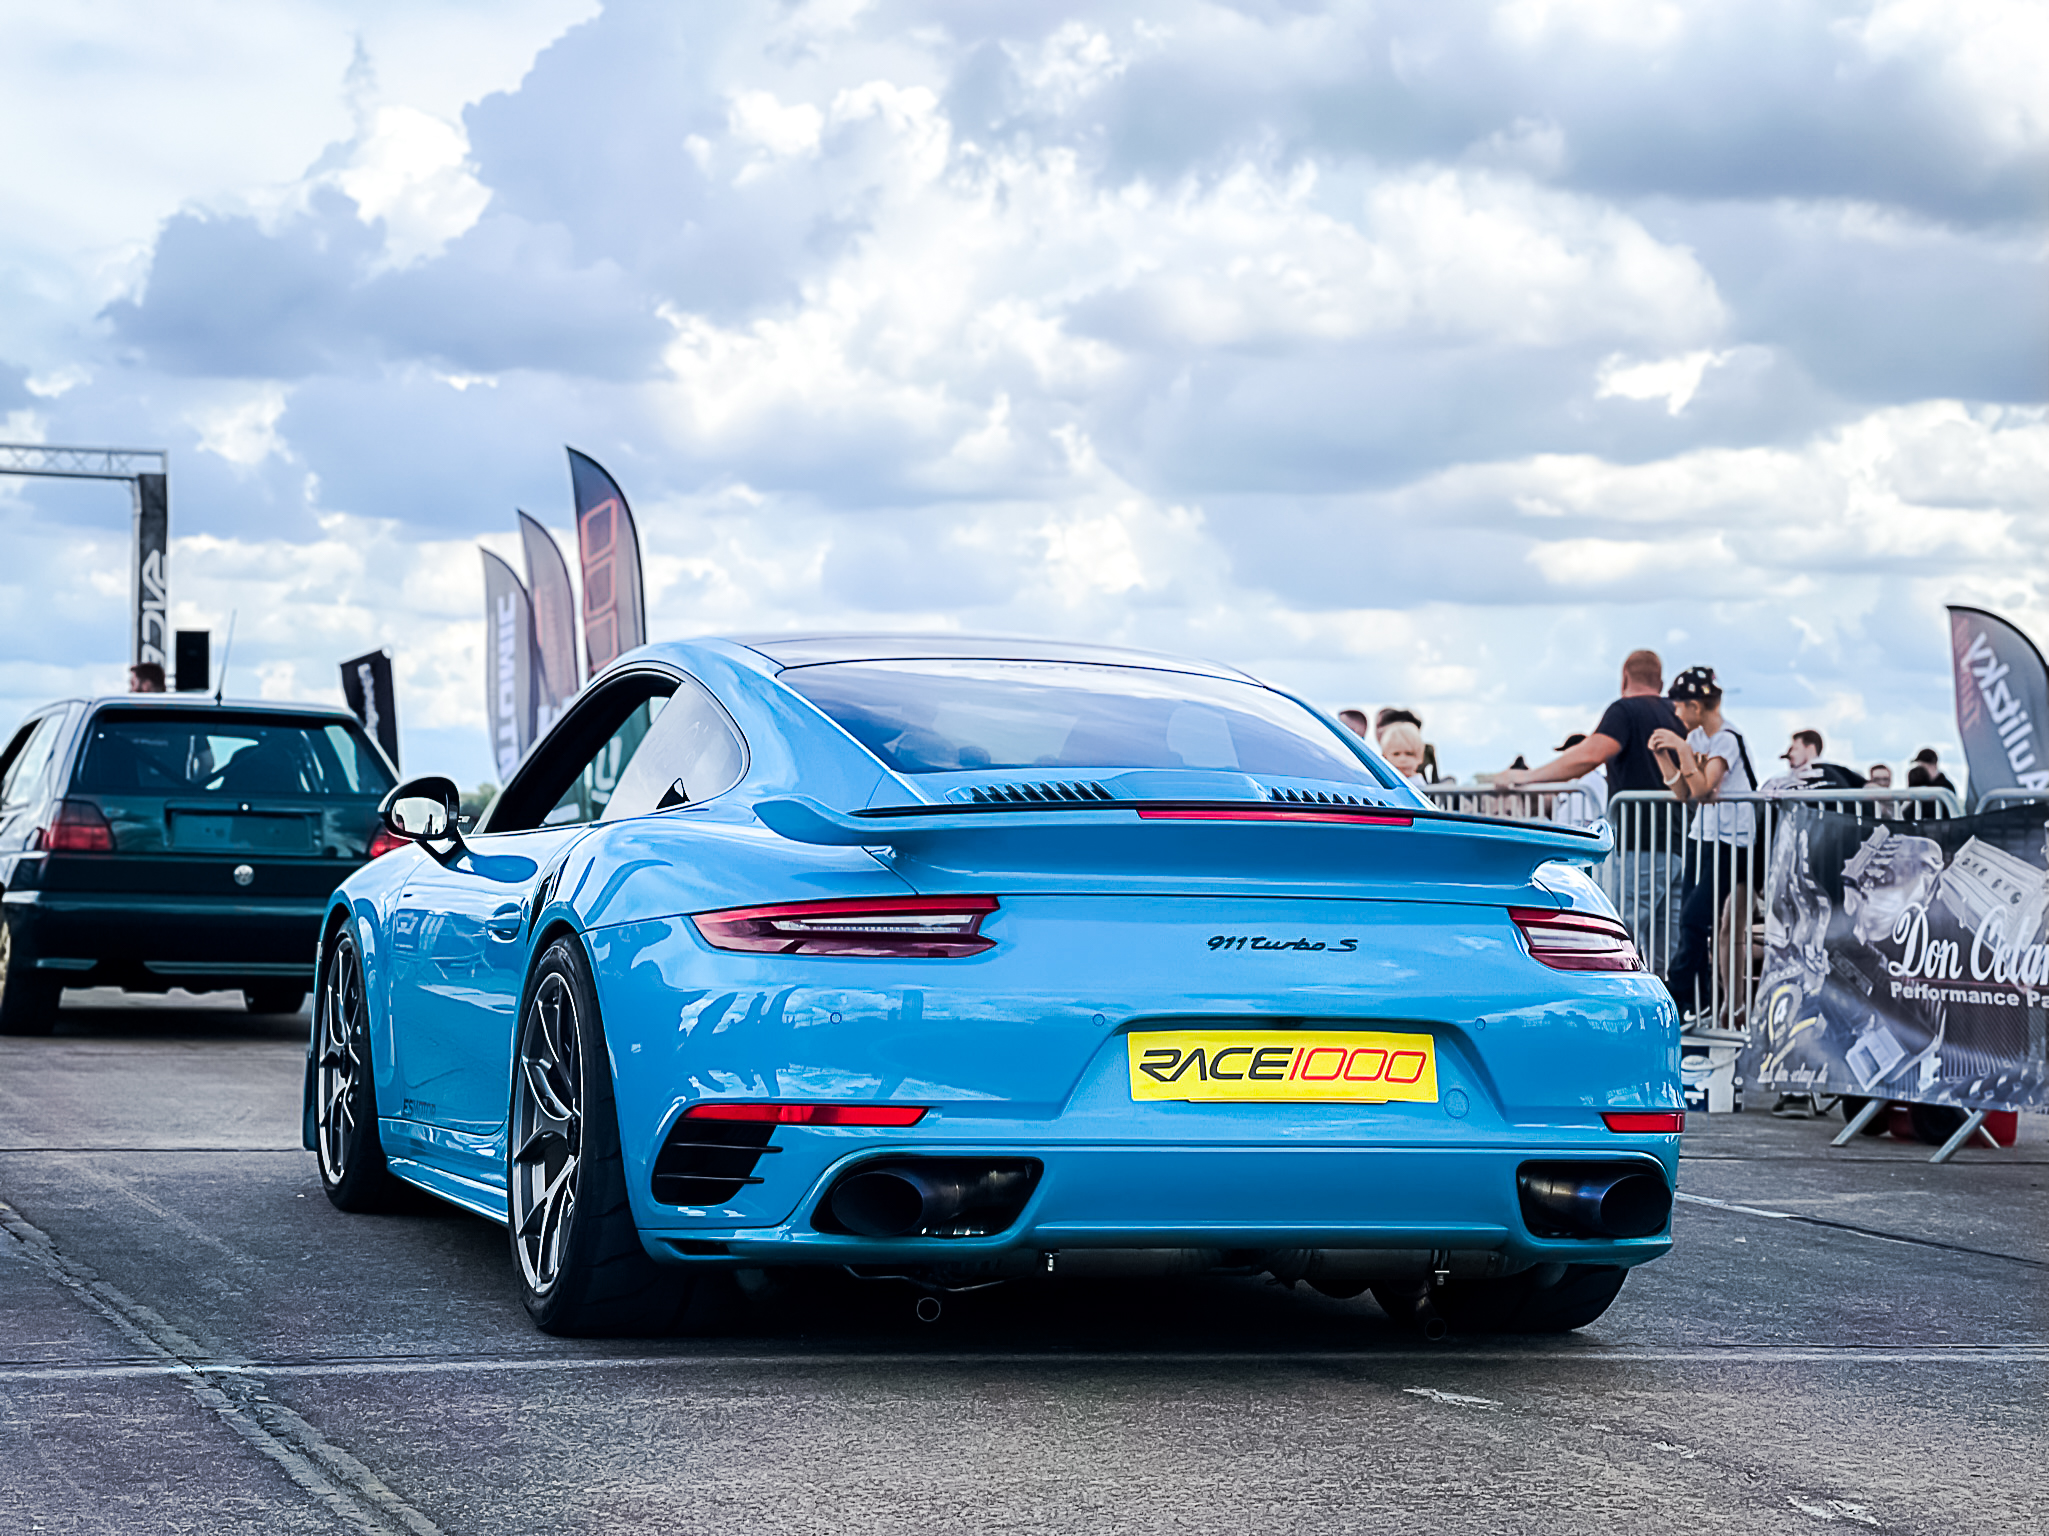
column 1674, row 380
column 241, row 425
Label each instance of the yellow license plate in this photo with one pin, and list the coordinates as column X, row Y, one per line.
column 1267, row 1066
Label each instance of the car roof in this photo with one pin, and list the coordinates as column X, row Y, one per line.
column 204, row 701
column 819, row 650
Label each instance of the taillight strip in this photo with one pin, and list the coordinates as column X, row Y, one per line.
column 1576, row 941
column 809, row 1114
column 1669, row 1122
column 1264, row 813
column 879, row 927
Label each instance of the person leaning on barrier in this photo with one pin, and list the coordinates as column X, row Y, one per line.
column 1711, row 760
column 1620, row 745
column 1927, row 772
column 1582, row 801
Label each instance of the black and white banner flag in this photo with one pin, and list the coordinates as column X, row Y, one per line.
column 366, row 686
column 2002, row 690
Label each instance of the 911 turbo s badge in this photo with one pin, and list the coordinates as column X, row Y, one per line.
column 1252, row 1066
column 1222, row 941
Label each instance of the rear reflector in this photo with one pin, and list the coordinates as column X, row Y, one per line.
column 894, row 927
column 1576, row 941
column 79, row 827
column 387, row 841
column 810, row 1114
column 1269, row 813
column 1668, row 1122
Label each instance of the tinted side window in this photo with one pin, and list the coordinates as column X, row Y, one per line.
column 691, row 753
column 29, row 763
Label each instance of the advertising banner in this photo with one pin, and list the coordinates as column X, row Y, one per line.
column 1907, row 960
column 547, row 575
column 149, row 626
column 614, row 603
column 366, row 688
column 2002, row 690
column 508, row 665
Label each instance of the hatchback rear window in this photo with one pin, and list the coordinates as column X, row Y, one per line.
column 951, row 716
column 189, row 752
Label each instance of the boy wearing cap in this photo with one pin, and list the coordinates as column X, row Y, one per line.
column 1710, row 761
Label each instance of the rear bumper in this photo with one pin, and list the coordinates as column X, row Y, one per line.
column 153, row 942
column 1458, row 1201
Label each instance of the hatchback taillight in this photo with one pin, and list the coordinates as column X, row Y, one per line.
column 78, row 827
column 387, row 841
column 1577, row 941
column 809, row 1114
column 896, row 927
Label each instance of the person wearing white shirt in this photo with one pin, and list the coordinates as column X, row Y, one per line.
column 1710, row 761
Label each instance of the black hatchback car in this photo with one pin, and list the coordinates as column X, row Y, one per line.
column 149, row 842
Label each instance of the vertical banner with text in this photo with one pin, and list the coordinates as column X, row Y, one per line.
column 508, row 665
column 366, row 686
column 554, row 600
column 614, row 602
column 150, row 623
column 2002, row 691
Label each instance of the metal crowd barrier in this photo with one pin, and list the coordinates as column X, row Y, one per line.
column 1659, row 872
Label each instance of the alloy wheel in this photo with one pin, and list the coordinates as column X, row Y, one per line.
column 339, row 1068
column 547, row 1132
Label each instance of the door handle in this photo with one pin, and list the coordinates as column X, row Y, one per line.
column 506, row 922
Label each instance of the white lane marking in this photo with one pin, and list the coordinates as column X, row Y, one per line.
column 328, row 1474
column 1741, row 1210
column 1455, row 1399
column 1961, row 1354
column 1675, row 1450
column 1833, row 1509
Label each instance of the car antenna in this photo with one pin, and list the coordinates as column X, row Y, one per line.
column 227, row 650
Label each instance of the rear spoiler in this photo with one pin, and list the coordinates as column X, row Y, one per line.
column 1212, row 837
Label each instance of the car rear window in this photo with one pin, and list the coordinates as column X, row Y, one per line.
column 190, row 752
column 954, row 716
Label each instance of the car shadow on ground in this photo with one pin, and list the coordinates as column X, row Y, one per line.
column 106, row 1013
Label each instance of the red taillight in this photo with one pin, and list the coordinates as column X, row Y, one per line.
column 1577, row 941
column 1269, row 813
column 811, row 1114
column 387, row 841
column 77, row 828
column 899, row 927
column 1666, row 1122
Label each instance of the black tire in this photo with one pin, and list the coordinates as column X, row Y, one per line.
column 28, row 998
column 274, row 999
column 581, row 1267
column 1551, row 1298
column 1934, row 1124
column 351, row 1158
column 1851, row 1106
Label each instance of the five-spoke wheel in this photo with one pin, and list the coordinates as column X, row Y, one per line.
column 582, row 1268
column 352, row 1167
column 547, row 1131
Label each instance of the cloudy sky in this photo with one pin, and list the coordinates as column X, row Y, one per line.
column 1404, row 352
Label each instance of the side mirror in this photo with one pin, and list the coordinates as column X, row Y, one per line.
column 426, row 811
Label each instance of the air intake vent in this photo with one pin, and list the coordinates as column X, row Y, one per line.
column 1071, row 793
column 708, row 1162
column 1316, row 797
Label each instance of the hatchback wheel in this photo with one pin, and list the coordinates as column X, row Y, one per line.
column 582, row 1268
column 352, row 1166
column 28, row 999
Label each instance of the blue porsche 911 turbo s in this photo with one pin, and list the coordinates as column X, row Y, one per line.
column 962, row 960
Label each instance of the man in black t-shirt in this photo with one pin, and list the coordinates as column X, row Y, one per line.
column 1642, row 831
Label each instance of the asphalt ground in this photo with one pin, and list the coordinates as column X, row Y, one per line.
column 192, row 1339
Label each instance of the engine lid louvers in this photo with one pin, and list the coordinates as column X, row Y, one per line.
column 1031, row 792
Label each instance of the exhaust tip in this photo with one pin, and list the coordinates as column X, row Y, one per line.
column 1594, row 1199
column 879, row 1203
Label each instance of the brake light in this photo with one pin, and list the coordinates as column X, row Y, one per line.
column 1269, row 813
column 810, row 1114
column 1577, row 941
column 78, row 827
column 1668, row 1122
column 387, row 841
column 897, row 927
